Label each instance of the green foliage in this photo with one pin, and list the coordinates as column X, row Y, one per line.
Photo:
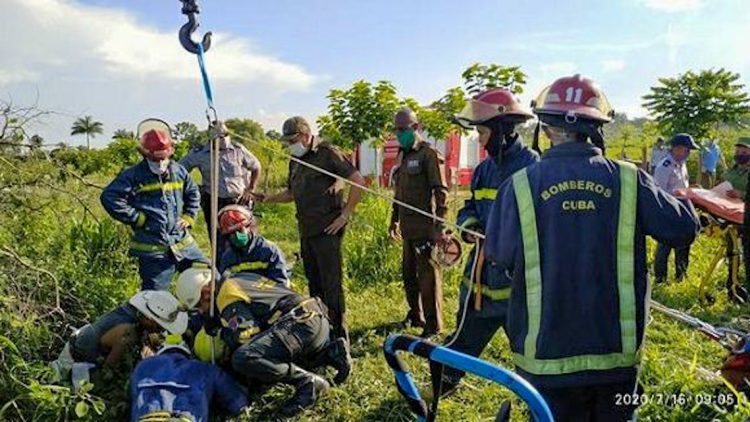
column 479, row 77
column 188, row 133
column 360, row 114
column 123, row 134
column 697, row 103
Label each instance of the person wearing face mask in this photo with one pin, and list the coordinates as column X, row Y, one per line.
column 239, row 171
column 571, row 232
column 420, row 182
column 159, row 200
column 737, row 175
column 322, row 212
column 495, row 114
column 671, row 174
column 248, row 250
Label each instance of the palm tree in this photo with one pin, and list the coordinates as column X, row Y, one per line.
column 88, row 126
column 123, row 134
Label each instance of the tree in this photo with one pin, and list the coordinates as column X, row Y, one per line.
column 87, row 126
column 36, row 142
column 188, row 132
column 123, row 134
column 273, row 134
column 479, row 77
column 698, row 103
column 359, row 114
column 246, row 130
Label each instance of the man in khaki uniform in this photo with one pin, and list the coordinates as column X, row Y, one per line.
column 322, row 213
column 419, row 182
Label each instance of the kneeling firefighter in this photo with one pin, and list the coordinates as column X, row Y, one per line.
column 271, row 331
column 483, row 307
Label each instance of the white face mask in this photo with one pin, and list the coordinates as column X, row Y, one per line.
column 298, row 150
column 158, row 167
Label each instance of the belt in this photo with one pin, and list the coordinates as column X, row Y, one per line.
column 304, row 311
column 165, row 416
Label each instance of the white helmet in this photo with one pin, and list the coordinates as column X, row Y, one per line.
column 162, row 308
column 189, row 285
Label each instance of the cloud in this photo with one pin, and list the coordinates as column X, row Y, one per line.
column 613, row 65
column 558, row 68
column 674, row 6
column 103, row 61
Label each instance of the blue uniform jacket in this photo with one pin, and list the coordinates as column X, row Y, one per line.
column 259, row 256
column 172, row 382
column 485, row 181
column 152, row 205
column 576, row 193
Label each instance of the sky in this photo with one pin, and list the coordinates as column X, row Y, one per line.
column 120, row 61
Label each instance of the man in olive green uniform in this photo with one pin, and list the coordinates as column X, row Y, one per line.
column 737, row 176
column 419, row 182
column 322, row 213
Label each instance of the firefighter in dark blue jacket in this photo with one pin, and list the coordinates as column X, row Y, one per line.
column 249, row 251
column 571, row 230
column 173, row 386
column 483, row 303
column 159, row 200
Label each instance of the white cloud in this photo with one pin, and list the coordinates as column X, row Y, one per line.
column 673, row 6
column 104, row 62
column 613, row 65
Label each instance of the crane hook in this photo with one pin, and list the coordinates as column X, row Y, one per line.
column 190, row 9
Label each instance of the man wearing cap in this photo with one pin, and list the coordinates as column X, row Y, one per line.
column 671, row 174
column 158, row 199
column 173, row 386
column 109, row 338
column 322, row 212
column 239, row 171
column 420, row 182
column 737, row 175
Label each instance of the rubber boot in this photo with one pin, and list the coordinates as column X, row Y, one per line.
column 308, row 387
column 340, row 359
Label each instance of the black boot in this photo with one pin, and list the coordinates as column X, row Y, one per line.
column 340, row 359
column 308, row 388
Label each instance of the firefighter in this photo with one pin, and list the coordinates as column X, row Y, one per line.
column 249, row 251
column 271, row 332
column 322, row 213
column 483, row 300
column 239, row 171
column 571, row 231
column 173, row 386
column 109, row 338
column 419, row 181
column 158, row 199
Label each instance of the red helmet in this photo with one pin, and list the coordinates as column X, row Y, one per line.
column 234, row 217
column 574, row 97
column 495, row 102
column 156, row 139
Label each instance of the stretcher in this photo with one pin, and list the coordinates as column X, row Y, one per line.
column 720, row 217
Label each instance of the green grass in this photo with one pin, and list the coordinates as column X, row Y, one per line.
column 90, row 261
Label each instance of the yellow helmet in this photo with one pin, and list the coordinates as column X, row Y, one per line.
column 202, row 346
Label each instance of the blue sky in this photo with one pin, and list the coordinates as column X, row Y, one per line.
column 119, row 60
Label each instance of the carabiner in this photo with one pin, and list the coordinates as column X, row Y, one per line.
column 190, row 9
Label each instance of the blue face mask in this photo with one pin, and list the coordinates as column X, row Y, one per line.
column 406, row 139
column 239, row 239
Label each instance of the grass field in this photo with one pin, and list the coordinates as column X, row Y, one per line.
column 89, row 261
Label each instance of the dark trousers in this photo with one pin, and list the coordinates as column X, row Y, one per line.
column 475, row 335
column 268, row 356
column 321, row 258
column 597, row 403
column 681, row 261
column 221, row 240
column 423, row 285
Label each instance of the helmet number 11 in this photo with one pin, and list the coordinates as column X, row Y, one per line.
column 569, row 95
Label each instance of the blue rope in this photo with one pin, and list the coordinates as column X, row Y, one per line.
column 204, row 75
